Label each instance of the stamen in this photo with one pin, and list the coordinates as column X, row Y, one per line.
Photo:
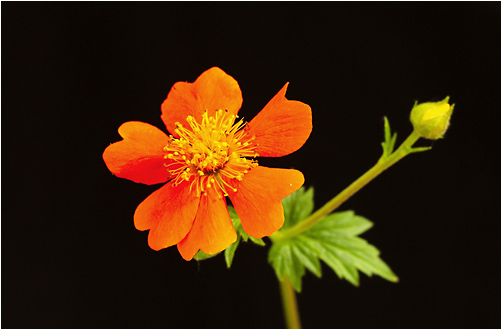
column 214, row 148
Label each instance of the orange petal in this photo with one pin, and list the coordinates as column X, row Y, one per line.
column 282, row 127
column 258, row 198
column 213, row 90
column 139, row 157
column 212, row 229
column 168, row 213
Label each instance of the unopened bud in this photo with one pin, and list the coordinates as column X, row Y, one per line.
column 431, row 120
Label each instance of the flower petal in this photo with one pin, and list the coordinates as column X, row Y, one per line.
column 258, row 198
column 139, row 157
column 169, row 213
column 282, row 127
column 212, row 229
column 213, row 90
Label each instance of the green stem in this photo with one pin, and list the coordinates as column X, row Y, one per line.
column 383, row 163
column 289, row 304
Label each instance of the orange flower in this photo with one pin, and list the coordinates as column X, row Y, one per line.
column 209, row 156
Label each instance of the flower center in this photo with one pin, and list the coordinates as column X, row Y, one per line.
column 209, row 151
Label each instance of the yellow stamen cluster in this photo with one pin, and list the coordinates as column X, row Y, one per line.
column 209, row 151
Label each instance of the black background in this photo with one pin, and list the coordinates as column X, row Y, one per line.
column 72, row 73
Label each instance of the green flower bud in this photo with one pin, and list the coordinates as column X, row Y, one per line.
column 431, row 119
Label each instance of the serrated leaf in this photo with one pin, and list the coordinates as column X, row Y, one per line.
column 334, row 240
column 307, row 257
column 332, row 258
column 340, row 239
column 298, row 206
column 285, row 263
column 280, row 258
column 347, row 222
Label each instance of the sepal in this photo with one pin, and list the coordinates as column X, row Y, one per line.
column 230, row 250
column 201, row 255
column 241, row 234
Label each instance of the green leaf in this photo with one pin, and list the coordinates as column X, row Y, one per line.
column 201, row 255
column 334, row 240
column 346, row 222
column 390, row 139
column 257, row 241
column 307, row 257
column 298, row 206
column 285, row 263
column 241, row 234
column 230, row 252
column 420, row 149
